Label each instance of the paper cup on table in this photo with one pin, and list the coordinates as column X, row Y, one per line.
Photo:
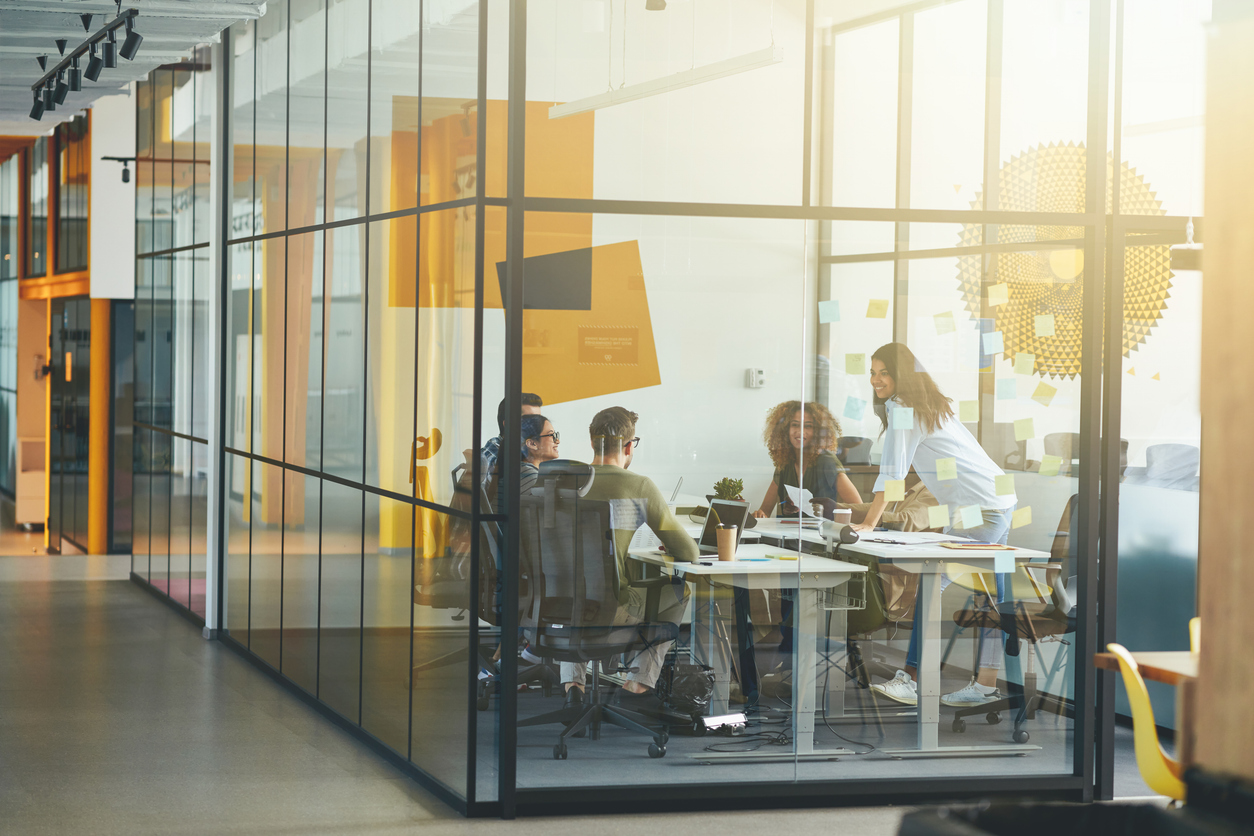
column 726, row 535
column 843, row 515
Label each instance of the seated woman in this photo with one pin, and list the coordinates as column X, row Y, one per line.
column 789, row 432
column 539, row 445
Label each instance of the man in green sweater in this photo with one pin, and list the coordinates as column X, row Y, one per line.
column 634, row 501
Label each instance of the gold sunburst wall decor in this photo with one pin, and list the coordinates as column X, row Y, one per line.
column 1050, row 281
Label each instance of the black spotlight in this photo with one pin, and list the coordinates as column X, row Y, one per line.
column 126, row 173
column 94, row 65
column 655, row 5
column 86, row 22
column 49, row 103
column 76, row 76
column 61, row 42
column 37, row 109
column 110, row 50
column 61, row 90
column 133, row 39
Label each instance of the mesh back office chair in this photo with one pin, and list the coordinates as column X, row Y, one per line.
column 567, row 549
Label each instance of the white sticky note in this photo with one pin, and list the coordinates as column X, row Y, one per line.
column 1003, row 562
column 1044, row 325
column 855, row 408
column 998, row 294
column 938, row 516
column 1050, row 465
column 1005, row 484
column 993, row 343
column 1025, row 363
column 829, row 311
column 1024, row 429
column 1044, row 394
column 903, row 418
column 855, row 364
column 971, row 516
column 1007, row 389
column 968, row 411
column 945, row 323
column 1021, row 517
column 894, row 490
column 877, row 309
column 947, row 469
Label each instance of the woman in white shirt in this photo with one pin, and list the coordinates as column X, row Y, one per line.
column 921, row 430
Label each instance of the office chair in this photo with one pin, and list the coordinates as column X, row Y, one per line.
column 573, row 615
column 1161, row 773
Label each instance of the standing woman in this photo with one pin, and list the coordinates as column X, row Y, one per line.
column 953, row 466
column 789, row 431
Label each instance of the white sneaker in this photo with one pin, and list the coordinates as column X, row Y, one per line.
column 973, row 694
column 901, row 688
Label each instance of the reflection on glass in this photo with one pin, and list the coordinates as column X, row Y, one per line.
column 73, row 174
column 387, row 614
column 340, row 637
column 302, row 573
column 37, row 198
column 10, row 195
column 237, row 536
column 266, row 564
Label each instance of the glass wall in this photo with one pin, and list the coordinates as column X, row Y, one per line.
column 37, row 198
column 10, row 211
column 173, row 334
column 72, row 173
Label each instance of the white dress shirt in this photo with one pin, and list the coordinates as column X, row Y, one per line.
column 974, row 483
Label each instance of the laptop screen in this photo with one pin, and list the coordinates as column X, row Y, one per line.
column 729, row 513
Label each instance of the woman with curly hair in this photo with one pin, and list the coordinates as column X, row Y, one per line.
column 791, row 430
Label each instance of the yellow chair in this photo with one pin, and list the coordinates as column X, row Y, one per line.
column 1195, row 635
column 1160, row 772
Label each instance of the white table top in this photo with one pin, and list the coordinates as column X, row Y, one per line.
column 761, row 560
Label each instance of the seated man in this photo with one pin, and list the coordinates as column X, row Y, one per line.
column 634, row 501
column 531, row 404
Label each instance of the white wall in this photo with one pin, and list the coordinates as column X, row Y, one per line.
column 112, row 201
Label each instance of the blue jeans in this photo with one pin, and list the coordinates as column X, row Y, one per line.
column 996, row 529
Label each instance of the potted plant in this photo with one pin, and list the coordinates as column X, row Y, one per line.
column 731, row 490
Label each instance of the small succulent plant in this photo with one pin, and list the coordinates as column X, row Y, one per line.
column 729, row 488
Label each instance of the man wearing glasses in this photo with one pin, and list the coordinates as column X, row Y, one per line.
column 634, row 501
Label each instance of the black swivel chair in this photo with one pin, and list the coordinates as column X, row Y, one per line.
column 567, row 551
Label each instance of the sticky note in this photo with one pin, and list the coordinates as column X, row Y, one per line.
column 945, row 323
column 993, row 343
column 947, row 469
column 1003, row 562
column 1044, row 394
column 1044, row 325
column 1005, row 484
column 855, row 408
column 971, row 516
column 1021, row 517
column 894, row 490
column 968, row 411
column 903, row 418
column 1007, row 389
column 1025, row 363
column 829, row 311
column 877, row 309
column 998, row 294
column 1050, row 465
column 1024, row 429
column 938, row 516
column 855, row 364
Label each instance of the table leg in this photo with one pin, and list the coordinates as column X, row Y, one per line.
column 928, row 603
column 805, row 663
column 708, row 648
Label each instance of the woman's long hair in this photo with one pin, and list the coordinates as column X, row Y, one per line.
column 915, row 387
column 779, row 445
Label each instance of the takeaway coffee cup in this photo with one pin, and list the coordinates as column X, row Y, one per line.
column 726, row 535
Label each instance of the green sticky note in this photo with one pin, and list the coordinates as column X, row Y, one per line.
column 1044, row 394
column 877, row 309
column 993, row 343
column 894, row 490
column 938, row 516
column 829, row 311
column 947, row 469
column 1025, row 363
column 855, row 364
column 1024, row 429
column 854, row 408
column 968, row 411
column 998, row 294
column 903, row 418
column 1021, row 517
column 1005, row 484
column 1050, row 465
column 1044, row 325
column 945, row 323
column 1007, row 389
column 971, row 516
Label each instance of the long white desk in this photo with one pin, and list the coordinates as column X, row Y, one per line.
column 808, row 574
column 929, row 561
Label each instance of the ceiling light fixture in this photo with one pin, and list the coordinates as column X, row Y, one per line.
column 61, row 90
column 75, row 76
column 37, row 109
column 49, row 104
column 100, row 48
column 110, row 51
column 133, row 39
column 94, row 65
column 43, row 61
column 86, row 18
column 61, row 42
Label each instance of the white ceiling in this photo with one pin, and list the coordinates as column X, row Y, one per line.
column 171, row 30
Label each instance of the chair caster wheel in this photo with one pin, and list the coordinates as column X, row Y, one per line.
column 559, row 752
column 656, row 751
column 483, row 698
column 698, row 728
column 960, row 725
column 993, row 718
column 1020, row 736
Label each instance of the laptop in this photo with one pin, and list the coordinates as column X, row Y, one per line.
column 728, row 513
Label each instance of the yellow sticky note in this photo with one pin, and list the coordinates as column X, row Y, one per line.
column 968, row 411
column 998, row 294
column 829, row 311
column 1005, row 484
column 894, row 490
column 1044, row 325
column 971, row 516
column 1050, row 465
column 945, row 323
column 947, row 469
column 938, row 516
column 1044, row 394
column 903, row 418
column 877, row 309
column 1025, row 363
column 1024, row 429
column 1021, row 517
column 855, row 364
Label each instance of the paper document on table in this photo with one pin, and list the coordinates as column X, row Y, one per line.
column 913, row 538
column 801, row 498
column 644, row 538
